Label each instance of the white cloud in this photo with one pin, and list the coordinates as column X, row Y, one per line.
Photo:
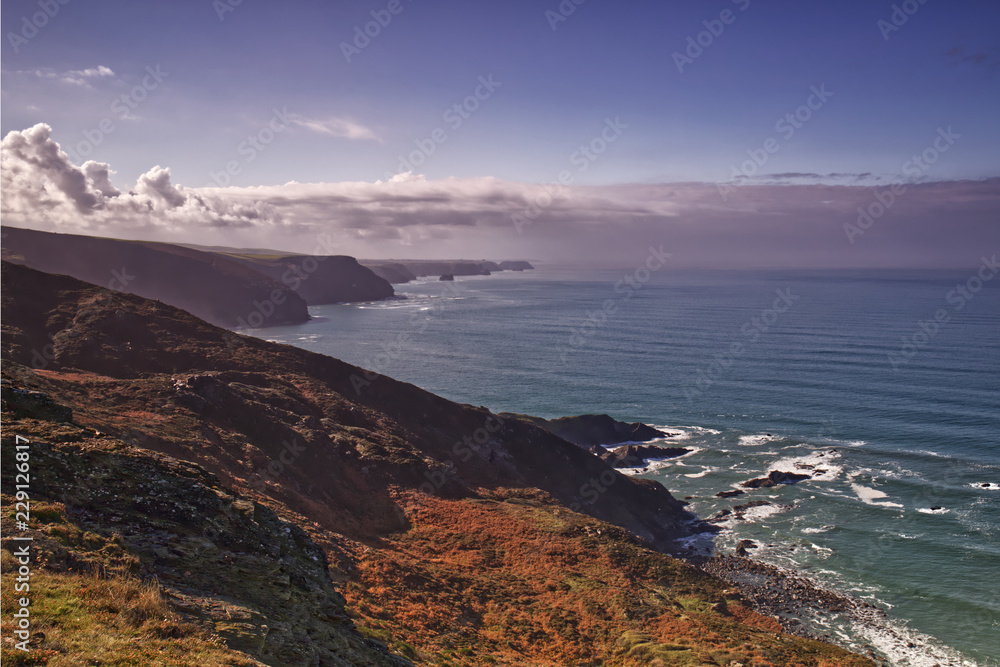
column 76, row 77
column 335, row 127
column 931, row 224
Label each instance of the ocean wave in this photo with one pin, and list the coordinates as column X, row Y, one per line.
column 986, row 486
column 816, row 530
column 933, row 510
column 756, row 439
column 870, row 496
column 820, row 464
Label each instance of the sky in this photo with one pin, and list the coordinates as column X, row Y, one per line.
column 736, row 133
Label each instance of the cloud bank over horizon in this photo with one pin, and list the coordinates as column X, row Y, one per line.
column 706, row 225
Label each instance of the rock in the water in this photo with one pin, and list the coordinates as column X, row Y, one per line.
column 447, row 276
column 730, row 494
column 774, row 478
column 741, row 548
column 634, row 456
column 589, row 430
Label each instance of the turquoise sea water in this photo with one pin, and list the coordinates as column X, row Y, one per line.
column 878, row 380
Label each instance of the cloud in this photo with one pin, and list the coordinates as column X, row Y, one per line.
column 76, row 77
column 43, row 188
column 948, row 223
column 335, row 127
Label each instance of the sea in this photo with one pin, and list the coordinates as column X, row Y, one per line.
column 883, row 386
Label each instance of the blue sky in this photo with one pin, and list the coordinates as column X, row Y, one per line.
column 225, row 77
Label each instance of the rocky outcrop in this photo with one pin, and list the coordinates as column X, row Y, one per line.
column 447, row 277
column 774, row 478
column 322, row 279
column 589, row 430
column 635, row 456
column 212, row 287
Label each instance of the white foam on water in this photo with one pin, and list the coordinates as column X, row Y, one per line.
column 821, row 460
column 904, row 647
column 704, row 472
column 985, row 486
column 870, row 496
column 817, row 530
column 928, row 510
column 678, row 433
column 756, row 440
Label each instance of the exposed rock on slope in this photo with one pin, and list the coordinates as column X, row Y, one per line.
column 226, row 566
column 212, row 287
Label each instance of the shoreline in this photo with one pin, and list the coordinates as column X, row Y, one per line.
column 808, row 608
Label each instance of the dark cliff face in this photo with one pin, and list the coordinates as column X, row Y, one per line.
column 594, row 430
column 212, row 287
column 323, row 279
column 236, row 404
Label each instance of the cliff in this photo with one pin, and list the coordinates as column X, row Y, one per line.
column 322, row 279
column 212, row 287
column 456, row 536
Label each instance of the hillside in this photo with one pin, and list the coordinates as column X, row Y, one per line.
column 213, row 287
column 456, row 536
